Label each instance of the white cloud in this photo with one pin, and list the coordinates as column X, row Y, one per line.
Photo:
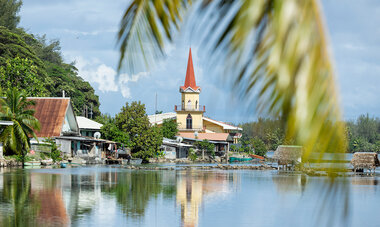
column 106, row 77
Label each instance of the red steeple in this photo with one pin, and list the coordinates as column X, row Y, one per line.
column 190, row 77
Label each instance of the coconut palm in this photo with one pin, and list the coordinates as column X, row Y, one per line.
column 275, row 51
column 16, row 108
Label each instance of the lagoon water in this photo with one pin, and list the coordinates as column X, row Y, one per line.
column 115, row 196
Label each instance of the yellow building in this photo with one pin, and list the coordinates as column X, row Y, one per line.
column 189, row 115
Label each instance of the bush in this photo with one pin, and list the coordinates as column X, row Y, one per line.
column 259, row 146
column 192, row 155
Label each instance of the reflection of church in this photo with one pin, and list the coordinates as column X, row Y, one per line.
column 194, row 186
column 190, row 118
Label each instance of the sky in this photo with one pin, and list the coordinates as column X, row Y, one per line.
column 87, row 32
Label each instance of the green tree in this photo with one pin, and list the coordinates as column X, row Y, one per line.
column 16, row 108
column 8, row 13
column 259, row 146
column 49, row 66
column 22, row 74
column 205, row 145
column 144, row 139
column 169, row 128
column 275, row 56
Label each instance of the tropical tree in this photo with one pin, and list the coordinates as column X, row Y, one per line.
column 16, row 108
column 275, row 51
column 169, row 128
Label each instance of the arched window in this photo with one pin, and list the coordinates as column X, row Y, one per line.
column 189, row 122
column 183, row 105
column 188, row 105
column 196, row 104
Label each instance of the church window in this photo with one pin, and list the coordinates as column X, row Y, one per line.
column 196, row 104
column 189, row 122
column 189, row 105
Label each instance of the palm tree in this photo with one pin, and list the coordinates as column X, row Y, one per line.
column 276, row 51
column 16, row 108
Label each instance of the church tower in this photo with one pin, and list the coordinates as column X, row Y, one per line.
column 190, row 113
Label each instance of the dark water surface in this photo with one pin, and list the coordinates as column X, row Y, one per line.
column 114, row 196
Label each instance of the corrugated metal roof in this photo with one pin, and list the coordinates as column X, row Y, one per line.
column 159, row 118
column 85, row 123
column 51, row 114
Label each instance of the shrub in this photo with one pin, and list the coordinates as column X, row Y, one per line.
column 192, row 155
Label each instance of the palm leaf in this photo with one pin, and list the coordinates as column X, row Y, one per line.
column 275, row 47
column 147, row 25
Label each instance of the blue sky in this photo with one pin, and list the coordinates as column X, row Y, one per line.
column 87, row 32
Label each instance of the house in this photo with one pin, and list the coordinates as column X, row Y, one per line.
column 4, row 123
column 58, row 121
column 174, row 148
column 88, row 127
column 189, row 115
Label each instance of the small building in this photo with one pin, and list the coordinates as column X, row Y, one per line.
column 365, row 160
column 287, row 155
column 175, row 149
column 88, row 127
column 220, row 140
column 57, row 120
column 3, row 123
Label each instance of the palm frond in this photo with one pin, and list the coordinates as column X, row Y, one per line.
column 147, row 25
column 277, row 54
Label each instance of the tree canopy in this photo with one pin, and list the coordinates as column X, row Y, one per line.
column 8, row 13
column 46, row 66
column 145, row 139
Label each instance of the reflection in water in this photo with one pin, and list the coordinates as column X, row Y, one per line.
column 192, row 186
column 285, row 183
column 105, row 196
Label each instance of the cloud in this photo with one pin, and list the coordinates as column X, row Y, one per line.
column 106, row 77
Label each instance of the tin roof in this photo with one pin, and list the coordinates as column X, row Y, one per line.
column 51, row 114
column 85, row 123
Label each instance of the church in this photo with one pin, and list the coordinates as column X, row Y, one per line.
column 189, row 115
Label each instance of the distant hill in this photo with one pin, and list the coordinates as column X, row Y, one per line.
column 50, row 70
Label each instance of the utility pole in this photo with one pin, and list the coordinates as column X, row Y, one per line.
column 155, row 111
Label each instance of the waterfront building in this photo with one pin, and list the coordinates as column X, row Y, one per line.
column 88, row 127
column 189, row 115
column 58, row 121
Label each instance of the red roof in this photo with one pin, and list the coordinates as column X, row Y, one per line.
column 51, row 114
column 206, row 136
column 190, row 77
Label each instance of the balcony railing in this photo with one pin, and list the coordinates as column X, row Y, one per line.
column 190, row 108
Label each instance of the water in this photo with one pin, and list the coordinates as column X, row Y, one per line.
column 114, row 196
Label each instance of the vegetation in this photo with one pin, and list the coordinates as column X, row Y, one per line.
column 259, row 146
column 278, row 49
column 192, row 155
column 55, row 153
column 110, row 131
column 132, row 127
column 145, row 140
column 169, row 128
column 364, row 134
column 40, row 62
column 21, row 73
column 16, row 108
column 205, row 145
column 8, row 13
